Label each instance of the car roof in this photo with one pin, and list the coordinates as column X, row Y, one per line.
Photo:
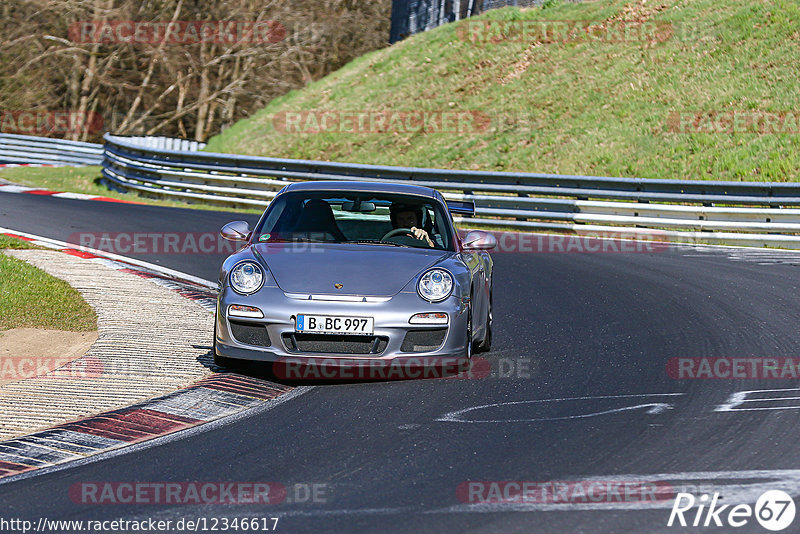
column 370, row 187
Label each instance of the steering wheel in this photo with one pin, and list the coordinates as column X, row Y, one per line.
column 397, row 231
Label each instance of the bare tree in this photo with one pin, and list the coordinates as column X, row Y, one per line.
column 163, row 87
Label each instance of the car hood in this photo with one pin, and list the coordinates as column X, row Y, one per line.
column 364, row 270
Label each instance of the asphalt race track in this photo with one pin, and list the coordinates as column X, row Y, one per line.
column 585, row 339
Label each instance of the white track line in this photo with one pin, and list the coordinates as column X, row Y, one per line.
column 175, row 436
column 139, row 263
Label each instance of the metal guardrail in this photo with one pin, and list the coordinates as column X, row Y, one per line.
column 752, row 213
column 48, row 151
column 166, row 143
column 413, row 16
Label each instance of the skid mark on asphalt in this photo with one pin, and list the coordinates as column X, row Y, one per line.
column 764, row 399
column 652, row 408
column 750, row 255
column 784, row 399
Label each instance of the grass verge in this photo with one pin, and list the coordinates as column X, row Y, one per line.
column 31, row 298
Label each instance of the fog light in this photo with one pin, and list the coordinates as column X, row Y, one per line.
column 428, row 318
column 234, row 310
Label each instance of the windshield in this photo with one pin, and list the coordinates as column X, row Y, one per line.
column 363, row 218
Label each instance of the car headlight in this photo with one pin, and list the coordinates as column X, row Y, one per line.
column 247, row 277
column 435, row 285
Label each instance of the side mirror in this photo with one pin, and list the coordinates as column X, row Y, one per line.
column 478, row 240
column 236, row 231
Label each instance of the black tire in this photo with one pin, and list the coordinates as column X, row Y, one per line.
column 220, row 361
column 470, row 344
column 486, row 344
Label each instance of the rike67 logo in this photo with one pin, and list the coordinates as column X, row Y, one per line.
column 774, row 510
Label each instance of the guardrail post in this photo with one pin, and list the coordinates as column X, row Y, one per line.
column 524, row 195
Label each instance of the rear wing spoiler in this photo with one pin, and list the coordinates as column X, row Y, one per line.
column 461, row 207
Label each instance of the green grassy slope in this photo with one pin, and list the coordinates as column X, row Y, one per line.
column 31, row 298
column 600, row 108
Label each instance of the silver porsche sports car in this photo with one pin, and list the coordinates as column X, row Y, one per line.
column 355, row 271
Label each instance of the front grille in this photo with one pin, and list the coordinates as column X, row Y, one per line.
column 423, row 340
column 334, row 344
column 250, row 333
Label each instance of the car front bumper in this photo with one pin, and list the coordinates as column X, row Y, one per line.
column 391, row 326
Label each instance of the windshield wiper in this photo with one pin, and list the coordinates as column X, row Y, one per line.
column 375, row 242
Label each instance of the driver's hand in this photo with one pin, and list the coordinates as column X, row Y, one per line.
column 422, row 235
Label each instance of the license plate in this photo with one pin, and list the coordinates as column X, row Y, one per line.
column 334, row 324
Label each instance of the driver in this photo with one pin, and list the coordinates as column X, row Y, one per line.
column 407, row 216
